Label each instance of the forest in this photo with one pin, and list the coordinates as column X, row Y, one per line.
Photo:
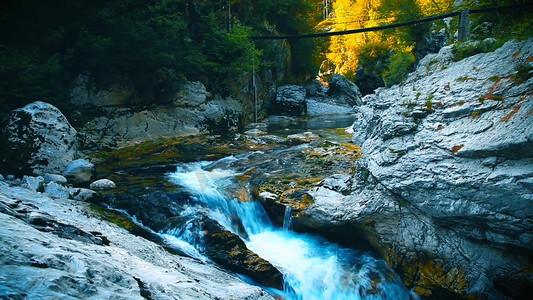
column 149, row 46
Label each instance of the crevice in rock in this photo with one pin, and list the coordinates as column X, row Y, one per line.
column 144, row 291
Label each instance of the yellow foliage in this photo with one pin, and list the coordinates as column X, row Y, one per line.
column 345, row 51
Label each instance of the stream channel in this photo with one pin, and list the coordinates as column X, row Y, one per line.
column 176, row 189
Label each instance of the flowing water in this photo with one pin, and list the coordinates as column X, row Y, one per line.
column 312, row 267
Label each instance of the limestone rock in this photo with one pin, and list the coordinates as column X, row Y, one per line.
column 80, row 171
column 344, row 91
column 39, row 140
column 290, row 101
column 102, row 185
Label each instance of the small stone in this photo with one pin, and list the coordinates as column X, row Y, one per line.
column 80, row 171
column 102, row 184
column 10, row 177
column 54, row 178
column 56, row 190
column 255, row 132
column 1, row 177
column 81, row 194
column 33, row 183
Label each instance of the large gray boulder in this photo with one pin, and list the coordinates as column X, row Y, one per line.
column 447, row 173
column 80, row 171
column 344, row 91
column 39, row 140
column 290, row 101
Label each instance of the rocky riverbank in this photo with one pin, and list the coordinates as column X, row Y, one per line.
column 444, row 187
column 58, row 248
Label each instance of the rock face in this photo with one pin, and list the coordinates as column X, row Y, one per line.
column 446, row 182
column 122, row 127
column 290, row 101
column 61, row 249
column 39, row 140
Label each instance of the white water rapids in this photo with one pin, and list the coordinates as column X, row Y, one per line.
column 312, row 267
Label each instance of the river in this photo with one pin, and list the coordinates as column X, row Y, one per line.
column 312, row 267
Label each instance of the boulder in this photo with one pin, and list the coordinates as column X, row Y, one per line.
column 39, row 140
column 290, row 101
column 228, row 250
column 102, row 185
column 60, row 179
column 344, row 91
column 80, row 171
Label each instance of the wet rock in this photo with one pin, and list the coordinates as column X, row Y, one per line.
column 39, row 140
column 54, row 178
column 2, row 177
column 81, row 194
column 290, row 101
column 80, row 171
column 102, row 185
column 229, row 251
column 33, row 183
column 344, row 91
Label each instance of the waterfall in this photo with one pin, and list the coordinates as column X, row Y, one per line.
column 287, row 218
column 313, row 268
